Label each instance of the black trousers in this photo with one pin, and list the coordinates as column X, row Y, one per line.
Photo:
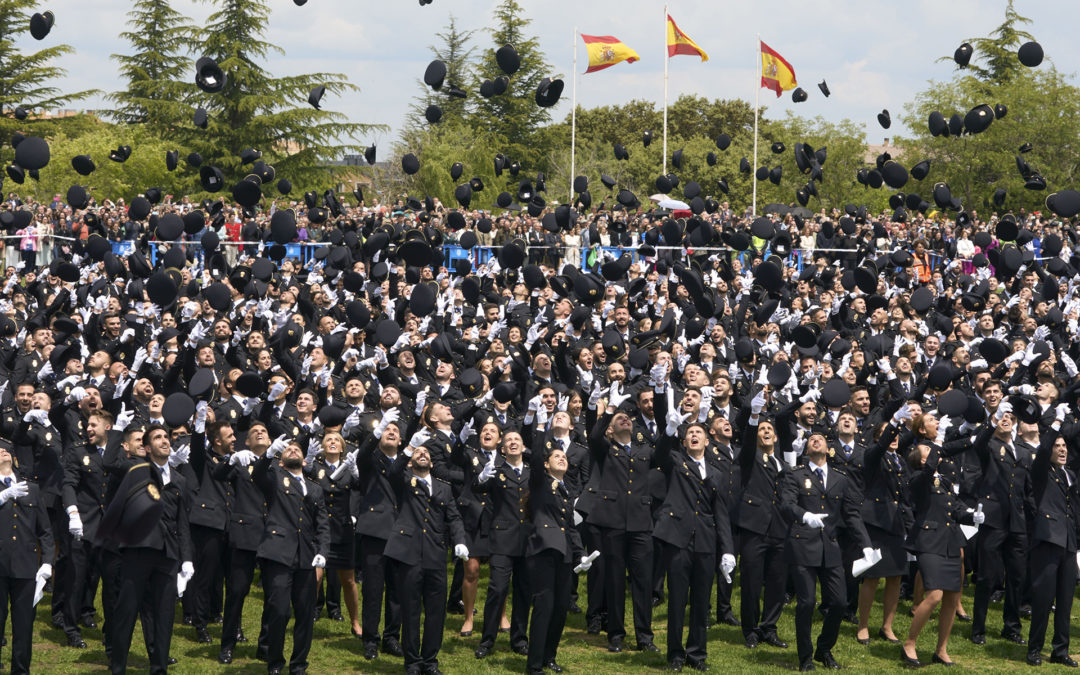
column 64, row 580
column 1053, row 579
column 147, row 583
column 237, row 587
column 379, row 592
column 596, row 607
column 86, row 560
column 1002, row 559
column 549, row 578
column 833, row 600
column 690, row 577
column 111, row 566
column 426, row 593
column 19, row 595
column 210, row 547
column 763, row 566
column 723, row 588
column 622, row 550
column 454, row 597
column 502, row 569
column 283, row 586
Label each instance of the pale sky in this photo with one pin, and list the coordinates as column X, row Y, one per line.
column 874, row 53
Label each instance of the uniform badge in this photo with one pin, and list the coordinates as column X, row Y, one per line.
column 490, row 420
column 322, row 474
column 502, row 477
column 549, row 445
column 807, row 484
column 413, row 481
column 640, row 438
column 285, row 481
column 86, row 460
column 937, row 482
column 251, row 469
column 832, row 452
column 152, row 490
column 476, row 461
column 554, row 485
column 1003, row 452
column 232, row 412
column 765, row 457
column 48, row 434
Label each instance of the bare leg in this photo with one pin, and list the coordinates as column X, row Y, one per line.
column 922, row 615
column 889, row 603
column 468, row 591
column 960, row 596
column 347, row 578
column 917, row 592
column 867, row 591
column 945, row 623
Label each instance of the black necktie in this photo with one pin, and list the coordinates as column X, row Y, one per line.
column 517, row 471
column 7, row 481
column 821, row 476
column 847, row 450
column 101, row 452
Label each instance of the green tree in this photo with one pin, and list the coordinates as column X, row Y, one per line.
column 271, row 114
column 25, row 77
column 156, row 72
column 439, row 147
column 455, row 51
column 975, row 165
column 514, row 115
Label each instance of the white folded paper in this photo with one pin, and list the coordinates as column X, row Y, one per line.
column 39, row 590
column 591, row 557
column 791, row 458
column 969, row 530
column 859, row 567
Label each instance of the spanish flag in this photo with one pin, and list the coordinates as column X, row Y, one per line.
column 605, row 51
column 679, row 42
column 776, row 73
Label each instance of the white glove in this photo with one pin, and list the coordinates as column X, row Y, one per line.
column 978, row 517
column 402, row 342
column 324, row 377
column 200, row 417
column 674, row 421
column 249, row 405
column 563, row 401
column 19, row 488
column 812, row 394
column 815, row 520
column 276, row 391
column 467, row 431
column 884, row 365
column 75, row 526
column 658, row 375
column 461, row 551
column 1060, row 411
column 615, row 396
column 535, row 403
column 319, row 561
column 1023, row 389
column 180, row 455
column 1003, row 408
column 187, row 571
column 943, row 426
column 39, row 416
column 421, row 400
column 419, row 438
column 757, row 404
column 77, row 394
column 127, row 336
column 44, row 572
column 488, row 472
column 45, row 371
column 1029, row 355
column 279, row 444
column 902, row 415
column 978, row 364
column 347, row 465
column 243, row 458
column 586, row 562
column 389, row 417
column 727, row 566
column 314, row 447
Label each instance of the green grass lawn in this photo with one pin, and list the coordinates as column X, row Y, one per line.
column 335, row 650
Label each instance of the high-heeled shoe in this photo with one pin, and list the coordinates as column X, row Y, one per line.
column 465, row 633
column 862, row 641
column 908, row 661
column 960, row 616
column 939, row 660
column 886, row 638
column 358, row 635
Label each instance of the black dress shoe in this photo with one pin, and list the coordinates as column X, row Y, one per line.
column 225, row 656
column 392, row 647
column 1034, row 659
column 188, row 621
column 482, row 652
column 997, row 596
column 978, row 638
column 962, row 617
column 262, row 654
column 1014, row 638
column 336, row 616
column 433, row 671
column 1025, row 611
column 615, row 646
column 1066, row 661
column 455, row 608
column 88, row 622
column 849, row 617
column 908, row 661
column 752, row 641
column 173, row 661
column 940, row 661
column 596, row 625
column 647, row 647
column 886, row 638
column 203, row 636
column 862, row 641
column 698, row 665
column 730, row 620
column 675, row 664
column 553, row 667
column 826, row 659
column 775, row 641
column 274, row 671
column 76, row 642
column 574, row 608
column 522, row 649
column 240, row 637
column 371, row 652
column 807, row 666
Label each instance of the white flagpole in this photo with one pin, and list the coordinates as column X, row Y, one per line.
column 573, row 125
column 665, row 87
column 757, row 96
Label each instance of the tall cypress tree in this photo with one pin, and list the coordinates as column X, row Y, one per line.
column 258, row 110
column 455, row 51
column 156, row 70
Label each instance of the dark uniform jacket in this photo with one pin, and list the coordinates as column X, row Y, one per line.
column 427, row 525
column 803, row 492
column 552, row 514
column 247, row 506
column 619, row 495
column 509, row 493
column 694, row 514
column 86, row 486
column 338, row 495
column 376, row 510
column 1002, row 485
column 938, row 512
column 885, row 501
column 210, row 496
column 296, row 528
column 759, row 504
column 1056, row 499
column 26, row 534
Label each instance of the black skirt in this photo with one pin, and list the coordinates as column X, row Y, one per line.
column 342, row 553
column 941, row 573
column 478, row 543
column 893, row 561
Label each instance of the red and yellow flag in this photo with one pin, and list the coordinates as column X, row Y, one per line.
column 679, row 42
column 776, row 73
column 605, row 51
